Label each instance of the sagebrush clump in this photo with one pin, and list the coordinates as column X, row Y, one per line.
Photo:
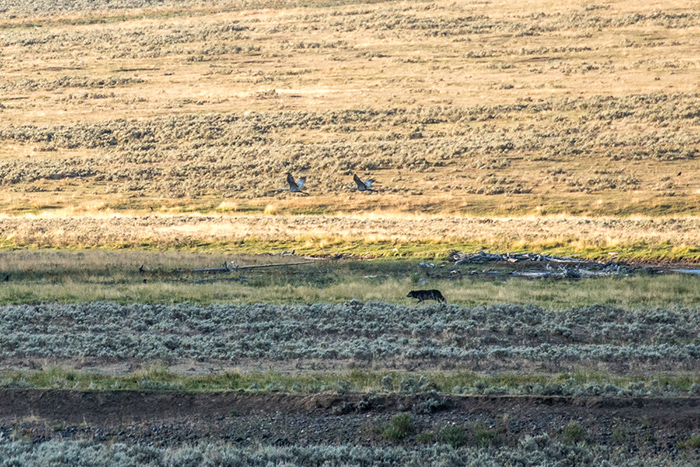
column 364, row 332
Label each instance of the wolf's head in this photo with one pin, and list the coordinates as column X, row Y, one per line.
column 412, row 294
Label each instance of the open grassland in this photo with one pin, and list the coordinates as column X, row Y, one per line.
column 396, row 235
column 101, row 362
column 96, row 275
column 141, row 139
column 479, row 108
column 175, row 288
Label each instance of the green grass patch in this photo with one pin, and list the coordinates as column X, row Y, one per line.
column 573, row 433
column 630, row 292
column 329, row 247
column 454, row 435
column 71, row 277
column 483, row 437
column 401, row 425
column 158, row 377
column 693, row 443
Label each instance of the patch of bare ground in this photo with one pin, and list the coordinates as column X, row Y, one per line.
column 245, row 419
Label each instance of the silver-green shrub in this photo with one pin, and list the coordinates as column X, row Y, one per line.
column 358, row 331
column 532, row 451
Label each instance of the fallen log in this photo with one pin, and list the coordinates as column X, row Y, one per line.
column 232, row 266
column 481, row 257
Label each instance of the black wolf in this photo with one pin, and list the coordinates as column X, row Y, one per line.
column 426, row 295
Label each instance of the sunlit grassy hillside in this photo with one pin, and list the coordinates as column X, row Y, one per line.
column 453, row 107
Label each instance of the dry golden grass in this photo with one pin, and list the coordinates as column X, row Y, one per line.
column 480, row 108
column 384, row 55
column 639, row 238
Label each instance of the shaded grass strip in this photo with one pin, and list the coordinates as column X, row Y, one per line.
column 157, row 377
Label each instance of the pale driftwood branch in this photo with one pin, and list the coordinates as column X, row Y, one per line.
column 232, row 266
column 221, row 279
column 547, row 266
column 253, row 266
column 483, row 257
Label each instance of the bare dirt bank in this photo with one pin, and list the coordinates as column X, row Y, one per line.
column 657, row 424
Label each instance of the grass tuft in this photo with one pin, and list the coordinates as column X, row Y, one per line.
column 454, row 435
column 573, row 433
column 400, row 426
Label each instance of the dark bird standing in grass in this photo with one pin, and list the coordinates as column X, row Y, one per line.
column 294, row 186
column 7, row 278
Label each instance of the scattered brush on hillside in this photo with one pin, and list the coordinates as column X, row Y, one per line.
column 392, row 90
column 174, row 156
